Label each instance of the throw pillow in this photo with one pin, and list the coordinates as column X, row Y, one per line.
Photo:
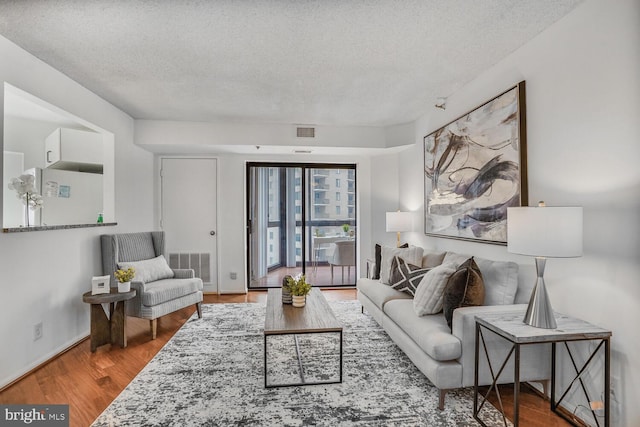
column 378, row 258
column 412, row 254
column 149, row 270
column 405, row 277
column 464, row 288
column 430, row 292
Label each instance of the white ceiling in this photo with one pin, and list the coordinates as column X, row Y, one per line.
column 329, row 62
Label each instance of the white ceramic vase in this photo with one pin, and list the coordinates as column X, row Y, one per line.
column 299, row 300
column 124, row 286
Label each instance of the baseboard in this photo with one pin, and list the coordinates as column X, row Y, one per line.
column 39, row 363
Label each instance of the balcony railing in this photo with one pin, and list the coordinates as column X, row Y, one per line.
column 320, row 201
column 321, row 187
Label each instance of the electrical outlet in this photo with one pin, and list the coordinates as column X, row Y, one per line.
column 233, row 275
column 37, row 331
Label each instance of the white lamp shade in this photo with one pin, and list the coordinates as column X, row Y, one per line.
column 399, row 221
column 552, row 232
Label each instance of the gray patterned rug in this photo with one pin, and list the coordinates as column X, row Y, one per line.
column 211, row 373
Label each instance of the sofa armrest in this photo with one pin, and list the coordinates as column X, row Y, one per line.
column 535, row 359
column 184, row 273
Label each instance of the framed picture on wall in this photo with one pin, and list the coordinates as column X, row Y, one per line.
column 475, row 168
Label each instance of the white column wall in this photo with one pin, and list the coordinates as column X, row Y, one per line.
column 583, row 104
column 44, row 273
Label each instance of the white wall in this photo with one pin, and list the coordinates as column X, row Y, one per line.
column 44, row 274
column 583, row 105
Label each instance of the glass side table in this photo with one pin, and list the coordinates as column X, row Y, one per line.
column 511, row 327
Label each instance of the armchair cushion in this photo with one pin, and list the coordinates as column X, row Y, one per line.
column 161, row 291
column 149, row 270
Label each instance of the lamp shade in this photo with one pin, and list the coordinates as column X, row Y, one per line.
column 552, row 232
column 399, row 221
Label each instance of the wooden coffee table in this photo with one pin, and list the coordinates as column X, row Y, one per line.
column 284, row 319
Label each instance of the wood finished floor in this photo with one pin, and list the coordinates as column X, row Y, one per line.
column 89, row 382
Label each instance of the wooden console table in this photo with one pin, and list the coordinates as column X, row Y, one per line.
column 111, row 329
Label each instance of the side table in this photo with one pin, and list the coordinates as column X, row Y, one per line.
column 111, row 329
column 511, row 327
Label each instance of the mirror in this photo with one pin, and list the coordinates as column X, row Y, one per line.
column 57, row 168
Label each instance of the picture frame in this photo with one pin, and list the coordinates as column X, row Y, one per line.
column 475, row 168
column 100, row 285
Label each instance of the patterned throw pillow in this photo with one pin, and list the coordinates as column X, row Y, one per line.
column 465, row 288
column 405, row 277
column 149, row 270
column 430, row 293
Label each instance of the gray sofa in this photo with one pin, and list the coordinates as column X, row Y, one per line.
column 447, row 357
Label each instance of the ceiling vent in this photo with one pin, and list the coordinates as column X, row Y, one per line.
column 306, row 132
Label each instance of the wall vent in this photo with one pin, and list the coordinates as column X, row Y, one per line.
column 200, row 262
column 306, row 132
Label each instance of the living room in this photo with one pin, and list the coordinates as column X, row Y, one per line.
column 583, row 100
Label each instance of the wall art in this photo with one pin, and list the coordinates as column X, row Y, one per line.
column 475, row 168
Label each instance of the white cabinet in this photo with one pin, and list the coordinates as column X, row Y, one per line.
column 74, row 150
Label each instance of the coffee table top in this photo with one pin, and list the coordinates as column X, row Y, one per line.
column 315, row 316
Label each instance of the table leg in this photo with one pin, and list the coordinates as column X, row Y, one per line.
column 100, row 327
column 118, row 324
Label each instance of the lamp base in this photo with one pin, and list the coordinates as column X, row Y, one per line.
column 539, row 312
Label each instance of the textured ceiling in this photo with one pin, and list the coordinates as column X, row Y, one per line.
column 329, row 62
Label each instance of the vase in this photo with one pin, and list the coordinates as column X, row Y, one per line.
column 286, row 293
column 299, row 300
column 124, row 286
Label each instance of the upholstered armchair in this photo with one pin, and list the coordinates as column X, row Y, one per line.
column 343, row 255
column 159, row 289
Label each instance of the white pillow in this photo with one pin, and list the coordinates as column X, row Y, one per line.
column 430, row 292
column 149, row 270
column 412, row 255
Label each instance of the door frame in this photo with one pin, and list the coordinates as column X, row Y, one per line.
column 158, row 219
column 304, row 166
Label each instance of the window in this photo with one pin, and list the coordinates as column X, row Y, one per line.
column 298, row 209
column 271, row 235
column 337, row 182
column 337, row 210
column 337, row 196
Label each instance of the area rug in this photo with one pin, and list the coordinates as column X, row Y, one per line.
column 211, row 373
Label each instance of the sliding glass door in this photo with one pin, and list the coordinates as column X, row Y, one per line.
column 301, row 219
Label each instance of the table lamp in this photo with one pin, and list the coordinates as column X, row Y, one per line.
column 399, row 222
column 544, row 232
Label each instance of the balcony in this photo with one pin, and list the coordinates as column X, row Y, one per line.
column 321, row 172
column 320, row 187
column 321, row 201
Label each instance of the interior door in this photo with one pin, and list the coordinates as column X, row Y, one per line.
column 188, row 216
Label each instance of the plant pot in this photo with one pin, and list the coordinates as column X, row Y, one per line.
column 299, row 300
column 124, row 287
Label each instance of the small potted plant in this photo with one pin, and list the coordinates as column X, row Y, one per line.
column 299, row 289
column 124, row 278
column 345, row 228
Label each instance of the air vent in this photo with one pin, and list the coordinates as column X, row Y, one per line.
column 199, row 262
column 302, row 151
column 306, row 132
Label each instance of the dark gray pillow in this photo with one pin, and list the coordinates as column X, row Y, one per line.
column 405, row 277
column 465, row 288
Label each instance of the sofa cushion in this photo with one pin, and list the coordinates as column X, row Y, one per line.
column 379, row 293
column 412, row 254
column 430, row 333
column 429, row 294
column 464, row 288
column 500, row 278
column 405, row 277
column 165, row 290
column 149, row 270
column 432, row 259
column 378, row 260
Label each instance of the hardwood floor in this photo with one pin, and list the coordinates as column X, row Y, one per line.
column 89, row 382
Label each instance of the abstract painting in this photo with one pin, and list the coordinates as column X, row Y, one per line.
column 475, row 168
